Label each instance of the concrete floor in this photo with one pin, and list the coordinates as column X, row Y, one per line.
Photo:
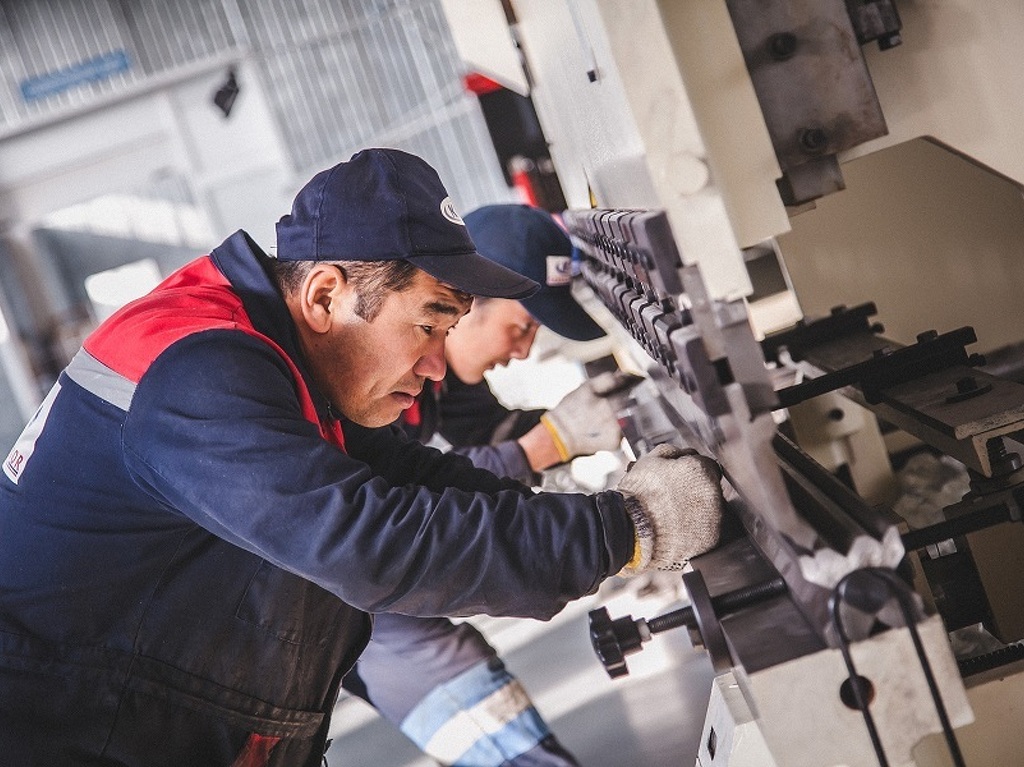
column 652, row 717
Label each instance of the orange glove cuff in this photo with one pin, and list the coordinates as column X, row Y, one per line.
column 563, row 452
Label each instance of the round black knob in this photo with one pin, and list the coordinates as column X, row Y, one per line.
column 614, row 640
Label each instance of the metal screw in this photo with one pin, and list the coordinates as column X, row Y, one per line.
column 967, row 388
column 966, row 384
column 888, row 42
column 1001, row 460
column 814, row 139
column 782, row 46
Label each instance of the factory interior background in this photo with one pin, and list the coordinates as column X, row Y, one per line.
column 138, row 134
column 135, row 136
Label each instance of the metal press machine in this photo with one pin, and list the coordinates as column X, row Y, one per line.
column 742, row 176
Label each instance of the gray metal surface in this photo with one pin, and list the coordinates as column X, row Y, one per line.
column 939, row 398
column 813, row 84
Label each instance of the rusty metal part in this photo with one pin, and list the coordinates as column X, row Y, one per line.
column 813, row 85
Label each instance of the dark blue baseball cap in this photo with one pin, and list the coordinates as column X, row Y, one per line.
column 385, row 204
column 527, row 240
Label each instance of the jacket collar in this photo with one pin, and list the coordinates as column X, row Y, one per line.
column 248, row 269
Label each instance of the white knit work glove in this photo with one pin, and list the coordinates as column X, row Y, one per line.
column 583, row 422
column 675, row 499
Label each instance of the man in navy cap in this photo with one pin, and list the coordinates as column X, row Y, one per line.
column 197, row 521
column 441, row 682
column 462, row 409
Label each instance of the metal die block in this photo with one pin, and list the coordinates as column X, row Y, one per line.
column 612, row 240
column 622, row 244
column 655, row 243
column 649, row 316
column 697, row 373
column 664, row 325
column 622, row 295
column 637, row 309
column 631, row 303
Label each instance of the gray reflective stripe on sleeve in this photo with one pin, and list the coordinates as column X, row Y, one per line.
column 95, row 377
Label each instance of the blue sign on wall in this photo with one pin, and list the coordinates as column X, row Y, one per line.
column 98, row 68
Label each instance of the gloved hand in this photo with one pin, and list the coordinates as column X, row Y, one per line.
column 675, row 499
column 584, row 421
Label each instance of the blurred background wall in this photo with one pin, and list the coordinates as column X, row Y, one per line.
column 136, row 134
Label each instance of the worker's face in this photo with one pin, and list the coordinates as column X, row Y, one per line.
column 493, row 333
column 372, row 370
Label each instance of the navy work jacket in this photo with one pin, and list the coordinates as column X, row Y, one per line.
column 189, row 542
column 475, row 423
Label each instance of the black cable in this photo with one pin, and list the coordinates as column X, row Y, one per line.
column 899, row 590
column 844, row 646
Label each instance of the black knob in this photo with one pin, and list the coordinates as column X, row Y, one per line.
column 614, row 640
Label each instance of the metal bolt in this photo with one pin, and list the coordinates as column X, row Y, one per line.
column 966, row 384
column 928, row 335
column 814, row 139
column 782, row 46
column 888, row 42
column 967, row 388
column 1001, row 460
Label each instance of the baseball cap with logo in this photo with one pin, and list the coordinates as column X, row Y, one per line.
column 385, row 204
column 527, row 240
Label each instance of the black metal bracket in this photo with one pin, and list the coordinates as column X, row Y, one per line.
column 890, row 366
column 805, row 334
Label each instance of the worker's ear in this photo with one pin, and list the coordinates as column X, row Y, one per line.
column 324, row 293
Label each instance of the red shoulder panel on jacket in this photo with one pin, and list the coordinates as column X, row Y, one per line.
column 196, row 297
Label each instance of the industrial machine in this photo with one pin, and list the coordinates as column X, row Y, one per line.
column 728, row 164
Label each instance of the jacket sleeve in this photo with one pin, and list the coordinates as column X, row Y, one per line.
column 391, row 454
column 470, row 414
column 475, row 423
column 215, row 433
column 506, row 459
